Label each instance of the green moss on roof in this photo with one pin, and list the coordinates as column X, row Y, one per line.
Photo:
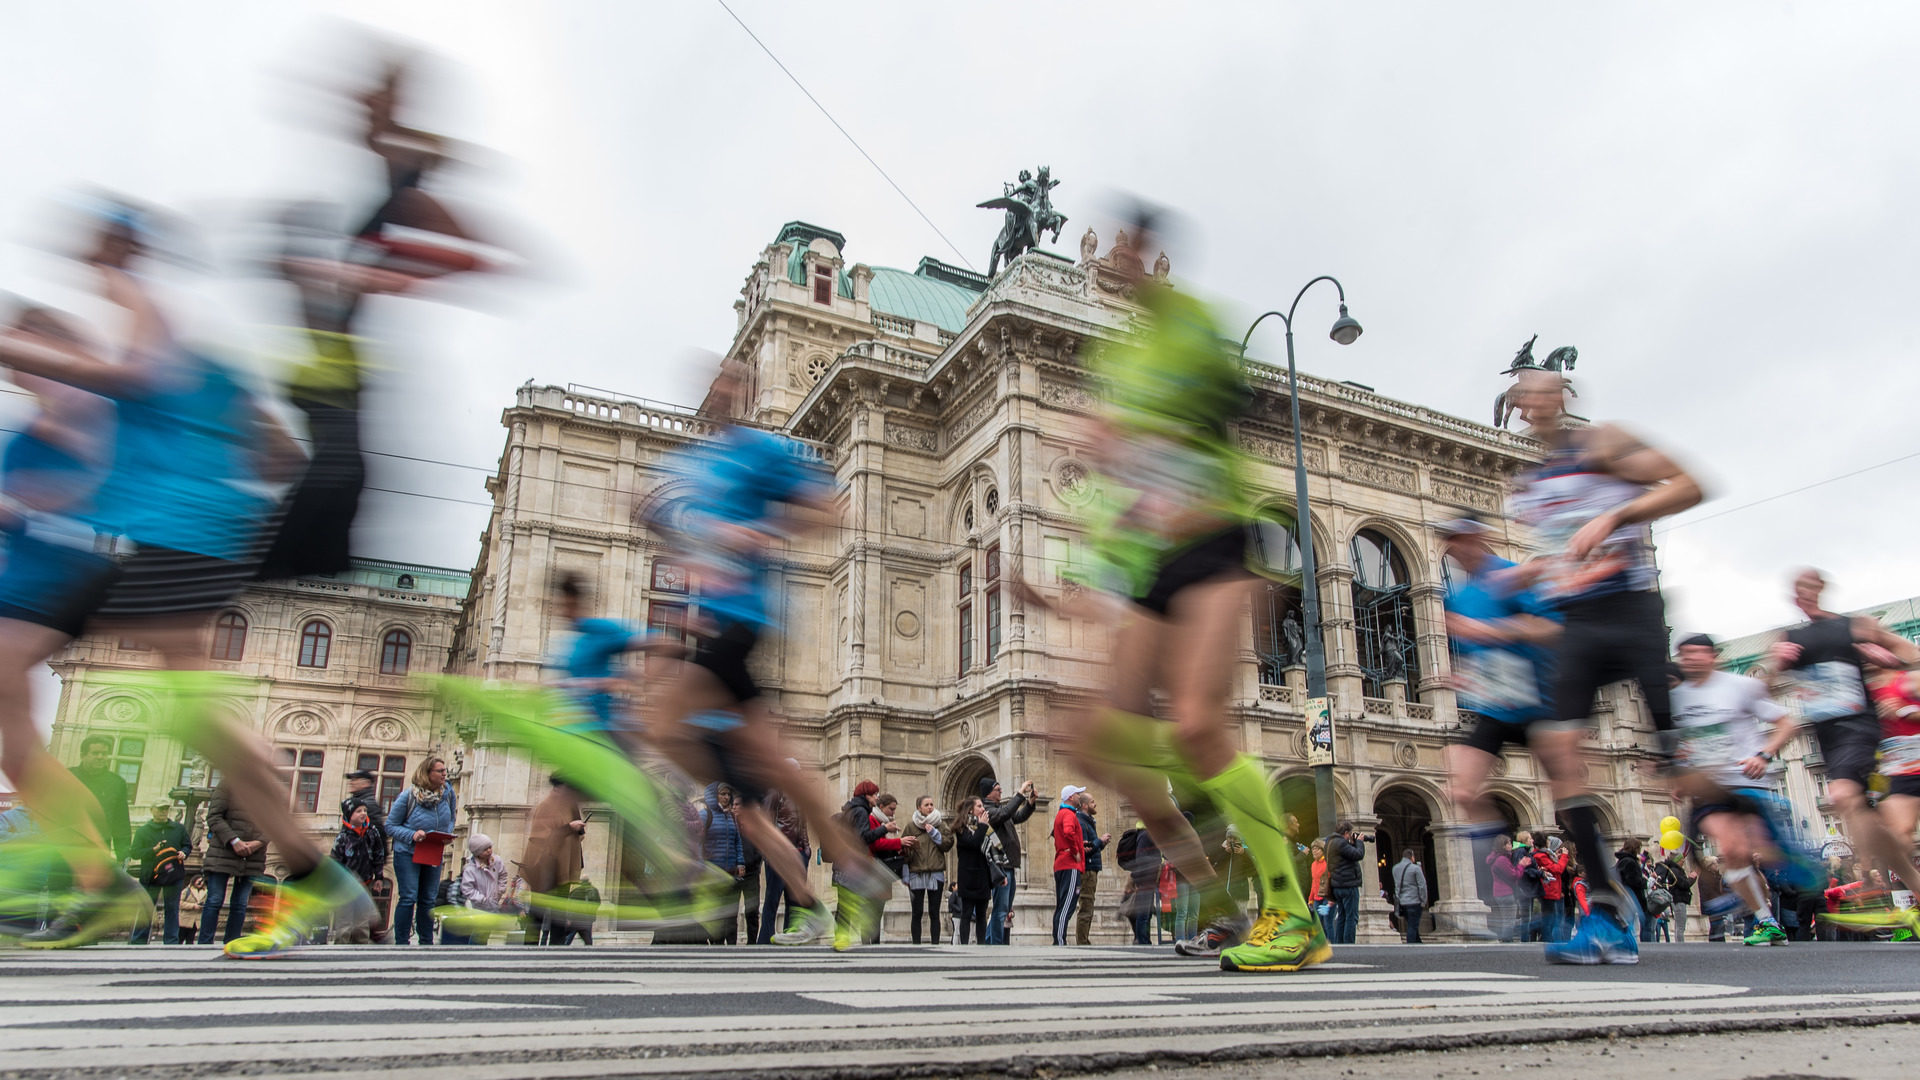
column 922, row 299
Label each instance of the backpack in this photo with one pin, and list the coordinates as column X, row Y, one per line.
column 1128, row 849
column 1658, row 900
column 169, row 866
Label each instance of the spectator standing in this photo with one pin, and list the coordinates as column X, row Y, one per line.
column 1006, row 816
column 360, row 792
column 1139, row 858
column 721, row 846
column 1502, row 922
column 1633, row 878
column 1672, row 875
column 1345, row 851
column 1552, row 863
column 361, row 847
column 1096, row 842
column 974, row 869
column 554, row 858
column 1234, row 866
column 1410, row 894
column 487, row 882
column 161, row 846
column 954, row 906
column 1069, row 860
column 236, row 851
column 1317, row 897
column 750, row 882
column 109, row 790
column 793, row 827
column 429, row 805
column 1526, row 887
column 926, row 875
column 875, row 832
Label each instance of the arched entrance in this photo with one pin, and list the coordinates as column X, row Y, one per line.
column 1297, row 798
column 1405, row 822
column 963, row 781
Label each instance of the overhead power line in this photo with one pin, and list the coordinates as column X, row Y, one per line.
column 1795, row 491
column 842, row 130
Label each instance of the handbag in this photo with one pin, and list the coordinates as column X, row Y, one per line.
column 1658, row 900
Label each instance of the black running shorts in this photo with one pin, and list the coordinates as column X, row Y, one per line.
column 1490, row 736
column 1904, row 785
column 1219, row 556
column 1606, row 639
column 1850, row 745
column 725, row 654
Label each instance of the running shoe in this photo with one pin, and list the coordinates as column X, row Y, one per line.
column 92, row 916
column 806, row 926
column 1766, row 933
column 1223, row 932
column 306, row 906
column 1599, row 939
column 1278, row 942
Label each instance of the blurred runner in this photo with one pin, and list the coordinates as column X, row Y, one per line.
column 1729, row 733
column 1826, row 659
column 191, row 451
column 1590, row 505
column 749, row 488
column 1171, row 535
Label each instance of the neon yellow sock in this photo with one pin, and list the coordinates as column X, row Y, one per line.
column 1241, row 792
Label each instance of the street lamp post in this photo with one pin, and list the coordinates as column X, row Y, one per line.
column 1345, row 331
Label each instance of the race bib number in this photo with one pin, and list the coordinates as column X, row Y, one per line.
column 1900, row 755
column 1496, row 681
column 1829, row 691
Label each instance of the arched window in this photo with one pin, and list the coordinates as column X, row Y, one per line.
column 405, row 582
column 396, row 650
column 1279, row 630
column 229, row 636
column 1382, row 613
column 314, row 639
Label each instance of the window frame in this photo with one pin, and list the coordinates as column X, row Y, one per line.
column 823, row 284
column 230, row 646
column 301, row 769
column 315, row 645
column 396, row 656
column 993, row 606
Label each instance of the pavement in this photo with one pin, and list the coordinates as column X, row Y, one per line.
column 454, row 1013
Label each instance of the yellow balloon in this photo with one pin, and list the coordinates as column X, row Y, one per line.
column 1672, row 840
column 1669, row 824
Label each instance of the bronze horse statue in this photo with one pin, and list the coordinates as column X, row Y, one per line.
column 1030, row 212
column 1560, row 359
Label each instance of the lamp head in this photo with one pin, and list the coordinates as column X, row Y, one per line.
column 1346, row 330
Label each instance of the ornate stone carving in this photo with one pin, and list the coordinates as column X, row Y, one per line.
column 912, row 438
column 117, row 710
column 1064, row 395
column 1279, row 449
column 386, row 730
column 906, row 624
column 971, row 420
column 1377, row 472
column 1072, row 483
column 1464, row 491
column 1405, row 754
column 302, row 723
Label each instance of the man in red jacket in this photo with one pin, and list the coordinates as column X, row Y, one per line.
column 1552, row 861
column 1069, row 860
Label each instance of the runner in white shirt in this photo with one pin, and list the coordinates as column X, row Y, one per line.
column 1729, row 731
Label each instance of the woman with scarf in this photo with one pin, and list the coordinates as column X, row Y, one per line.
column 980, row 852
column 361, row 847
column 427, row 806
column 926, row 874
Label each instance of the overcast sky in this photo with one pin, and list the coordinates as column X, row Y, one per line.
column 1706, row 199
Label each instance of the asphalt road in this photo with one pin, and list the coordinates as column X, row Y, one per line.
column 478, row 1013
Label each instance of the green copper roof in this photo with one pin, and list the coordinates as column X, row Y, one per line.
column 922, row 299
column 797, row 271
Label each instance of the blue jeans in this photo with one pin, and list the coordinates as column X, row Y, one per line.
column 417, row 887
column 167, row 898
column 1346, row 913
column 1143, row 928
column 770, row 923
column 217, row 897
column 999, row 924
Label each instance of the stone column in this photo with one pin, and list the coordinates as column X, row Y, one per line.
column 1458, row 910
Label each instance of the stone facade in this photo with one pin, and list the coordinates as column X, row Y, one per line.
column 954, row 444
column 327, row 702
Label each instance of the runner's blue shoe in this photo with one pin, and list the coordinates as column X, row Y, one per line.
column 1599, row 939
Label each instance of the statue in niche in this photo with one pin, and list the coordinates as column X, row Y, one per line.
column 1294, row 637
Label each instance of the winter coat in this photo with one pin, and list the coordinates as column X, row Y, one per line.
column 1504, row 873
column 1632, row 875
column 152, row 835
column 1524, row 887
column 408, row 816
column 482, row 882
column 1343, row 862
column 553, row 856
column 1319, row 879
column 370, row 799
column 929, row 856
column 226, row 822
column 1556, row 865
column 1090, row 833
column 1069, row 843
column 1409, row 883
column 1004, row 815
column 791, row 825
column 110, row 792
column 1673, row 875
column 974, row 874
column 363, row 853
column 720, row 833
